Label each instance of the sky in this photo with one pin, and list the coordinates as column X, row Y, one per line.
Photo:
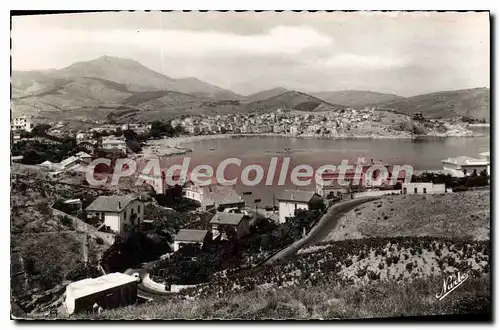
column 400, row 53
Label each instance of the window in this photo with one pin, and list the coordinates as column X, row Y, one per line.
column 405, row 190
column 416, row 190
column 125, row 214
column 425, row 190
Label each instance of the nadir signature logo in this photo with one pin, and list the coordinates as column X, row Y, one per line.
column 450, row 283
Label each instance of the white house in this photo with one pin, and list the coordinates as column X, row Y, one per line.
column 238, row 221
column 83, row 136
column 21, row 124
column 117, row 212
column 464, row 166
column 190, row 236
column 213, row 195
column 66, row 164
column 293, row 200
column 422, row 188
column 114, row 144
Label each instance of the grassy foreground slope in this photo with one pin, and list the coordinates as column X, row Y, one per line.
column 327, row 301
column 465, row 214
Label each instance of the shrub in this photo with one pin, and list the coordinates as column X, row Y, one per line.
column 67, row 222
column 373, row 276
column 361, row 272
column 409, row 267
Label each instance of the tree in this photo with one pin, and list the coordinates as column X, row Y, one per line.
column 179, row 130
column 159, row 128
column 468, row 119
column 40, row 130
column 118, row 131
column 129, row 135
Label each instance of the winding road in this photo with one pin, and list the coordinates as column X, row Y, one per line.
column 142, row 290
column 324, row 226
column 321, row 230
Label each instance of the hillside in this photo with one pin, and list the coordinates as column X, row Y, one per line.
column 474, row 103
column 353, row 98
column 59, row 98
column 419, row 215
column 291, row 100
column 322, row 302
column 135, row 76
column 266, row 94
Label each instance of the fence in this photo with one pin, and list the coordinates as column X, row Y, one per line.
column 82, row 226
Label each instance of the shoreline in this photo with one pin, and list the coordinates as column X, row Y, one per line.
column 179, row 142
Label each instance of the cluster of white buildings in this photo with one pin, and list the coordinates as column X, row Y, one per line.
column 21, row 123
column 279, row 122
column 69, row 164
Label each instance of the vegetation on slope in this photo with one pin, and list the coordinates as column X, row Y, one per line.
column 290, row 100
column 353, row 98
column 464, row 214
column 473, row 103
column 326, row 301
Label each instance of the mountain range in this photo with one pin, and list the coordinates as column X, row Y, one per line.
column 125, row 90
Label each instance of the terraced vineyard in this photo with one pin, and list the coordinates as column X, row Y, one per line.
column 355, row 262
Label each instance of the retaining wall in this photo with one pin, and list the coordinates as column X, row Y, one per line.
column 82, row 226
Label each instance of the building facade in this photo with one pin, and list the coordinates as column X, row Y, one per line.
column 118, row 213
column 212, row 196
column 411, row 188
column 21, row 124
column 290, row 201
column 108, row 291
column 114, row 144
column 191, row 236
column 239, row 222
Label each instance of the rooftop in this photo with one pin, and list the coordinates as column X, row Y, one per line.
column 222, row 195
column 83, row 154
column 90, row 286
column 296, row 196
column 466, row 160
column 191, row 235
column 110, row 203
column 223, row 218
column 485, row 154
